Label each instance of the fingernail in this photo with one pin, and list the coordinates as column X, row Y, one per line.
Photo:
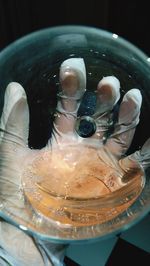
column 69, row 83
column 114, row 84
column 14, row 91
column 73, row 75
column 13, row 94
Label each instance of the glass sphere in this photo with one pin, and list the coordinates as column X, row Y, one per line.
column 34, row 61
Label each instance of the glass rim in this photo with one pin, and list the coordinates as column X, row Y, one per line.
column 76, row 29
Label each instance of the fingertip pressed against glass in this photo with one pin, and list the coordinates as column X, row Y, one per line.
column 34, row 62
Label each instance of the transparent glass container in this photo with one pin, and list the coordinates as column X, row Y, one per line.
column 34, row 62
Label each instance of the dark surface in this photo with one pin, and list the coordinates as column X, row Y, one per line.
column 130, row 19
column 125, row 253
column 70, row 262
column 131, row 247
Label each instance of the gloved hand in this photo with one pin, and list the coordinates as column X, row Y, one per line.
column 67, row 153
column 16, row 247
column 111, row 149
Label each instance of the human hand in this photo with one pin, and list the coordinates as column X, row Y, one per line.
column 102, row 155
column 68, row 157
column 16, row 247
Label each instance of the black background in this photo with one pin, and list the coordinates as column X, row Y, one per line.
column 129, row 19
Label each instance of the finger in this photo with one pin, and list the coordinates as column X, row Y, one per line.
column 128, row 119
column 74, row 68
column 19, row 248
column 14, row 123
column 108, row 94
column 73, row 85
column 139, row 158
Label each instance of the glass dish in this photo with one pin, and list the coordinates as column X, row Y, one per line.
column 34, row 61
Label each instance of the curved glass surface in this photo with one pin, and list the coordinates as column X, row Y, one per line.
column 34, row 62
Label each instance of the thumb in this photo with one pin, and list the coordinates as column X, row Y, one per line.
column 14, row 123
